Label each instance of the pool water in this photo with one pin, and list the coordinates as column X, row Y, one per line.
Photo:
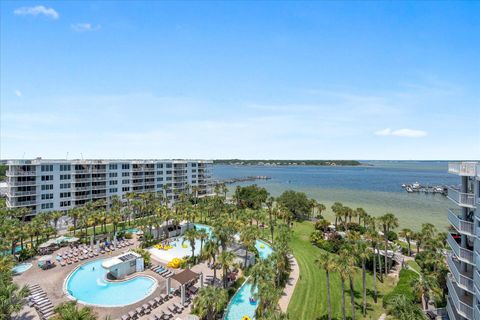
column 87, row 284
column 132, row 230
column 180, row 250
column 264, row 249
column 21, row 268
column 240, row 304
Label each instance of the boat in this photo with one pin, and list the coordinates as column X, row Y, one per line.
column 416, row 185
column 409, row 189
column 404, row 185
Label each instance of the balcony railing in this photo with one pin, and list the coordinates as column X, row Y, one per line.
column 476, row 280
column 81, row 197
column 15, row 203
column 463, row 168
column 81, row 171
column 462, row 280
column 462, row 254
column 81, row 188
column 21, row 193
column 462, row 226
column 476, row 312
column 83, row 179
column 462, row 308
column 461, row 198
column 20, row 173
column 22, row 183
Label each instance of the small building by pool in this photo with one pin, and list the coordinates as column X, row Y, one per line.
column 123, row 265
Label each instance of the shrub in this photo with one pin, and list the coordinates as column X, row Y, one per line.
column 392, row 236
column 403, row 287
column 128, row 235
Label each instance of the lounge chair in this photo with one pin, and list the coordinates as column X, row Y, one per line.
column 171, row 308
column 164, row 296
column 167, row 314
column 132, row 314
column 48, row 315
column 62, row 263
column 152, row 304
column 179, row 306
column 146, row 308
column 139, row 311
column 125, row 317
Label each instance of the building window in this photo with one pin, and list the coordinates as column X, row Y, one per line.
column 65, row 194
column 112, row 174
column 125, row 174
column 64, row 185
column 46, row 167
column 47, row 196
column 113, row 182
column 47, row 187
column 194, row 164
column 47, row 178
column 125, row 166
column 125, row 189
column 169, row 171
column 169, row 178
column 47, row 205
column 112, row 166
column 65, row 203
column 125, row 181
column 65, row 167
column 160, row 179
column 160, row 172
column 159, row 165
column 113, row 190
column 65, row 177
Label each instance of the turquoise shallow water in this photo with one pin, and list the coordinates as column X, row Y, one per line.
column 376, row 187
column 88, row 285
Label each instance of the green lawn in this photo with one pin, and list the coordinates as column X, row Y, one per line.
column 309, row 301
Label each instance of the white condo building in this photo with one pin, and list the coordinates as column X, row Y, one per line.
column 463, row 281
column 46, row 185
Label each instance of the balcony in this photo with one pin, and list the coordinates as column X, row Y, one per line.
column 16, row 203
column 476, row 280
column 463, row 279
column 82, row 188
column 99, row 170
column 81, row 197
column 461, row 198
column 20, row 173
column 461, row 302
column 21, row 193
column 83, row 179
column 22, row 183
column 468, row 169
column 99, row 186
column 99, row 178
column 476, row 312
column 462, row 226
column 462, row 254
column 81, row 171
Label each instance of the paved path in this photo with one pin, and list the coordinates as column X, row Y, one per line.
column 290, row 287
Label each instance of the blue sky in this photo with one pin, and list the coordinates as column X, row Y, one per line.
column 283, row 80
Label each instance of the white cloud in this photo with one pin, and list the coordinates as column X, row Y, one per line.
column 409, row 133
column 37, row 10
column 18, row 93
column 81, row 27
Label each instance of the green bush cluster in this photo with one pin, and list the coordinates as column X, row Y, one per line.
column 404, row 287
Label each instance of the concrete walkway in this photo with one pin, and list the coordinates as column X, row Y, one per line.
column 290, row 286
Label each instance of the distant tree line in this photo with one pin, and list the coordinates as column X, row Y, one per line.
column 289, row 162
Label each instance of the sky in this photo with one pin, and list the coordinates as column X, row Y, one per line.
column 249, row 80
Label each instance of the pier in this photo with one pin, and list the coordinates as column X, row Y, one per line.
column 241, row 179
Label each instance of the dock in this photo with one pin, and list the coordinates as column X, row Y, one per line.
column 241, row 179
column 434, row 189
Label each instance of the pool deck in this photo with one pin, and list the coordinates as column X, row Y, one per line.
column 52, row 282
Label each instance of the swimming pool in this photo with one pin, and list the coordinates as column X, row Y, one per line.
column 21, row 268
column 180, row 250
column 264, row 249
column 240, row 304
column 87, row 284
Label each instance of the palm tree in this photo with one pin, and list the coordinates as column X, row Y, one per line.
column 361, row 214
column 327, row 262
column 11, row 298
column 362, row 254
column 210, row 302
column 388, row 221
column 407, row 234
column 337, row 210
column 320, row 207
column 372, row 235
column 226, row 259
column 202, row 235
column 56, row 215
column 70, row 311
column 211, row 250
column 347, row 262
column 248, row 236
column 74, row 214
column 191, row 235
column 343, row 268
